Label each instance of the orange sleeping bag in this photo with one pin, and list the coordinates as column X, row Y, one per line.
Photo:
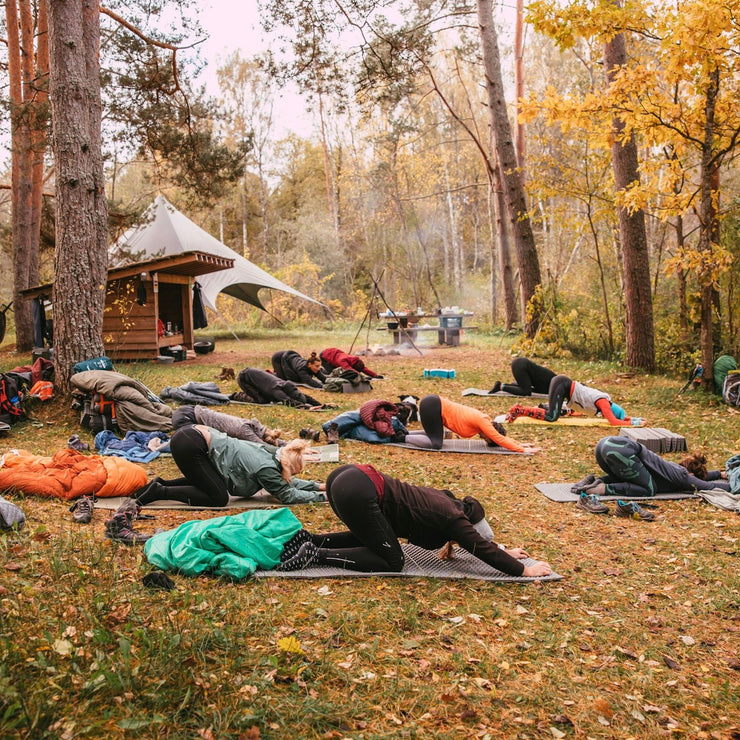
column 69, row 474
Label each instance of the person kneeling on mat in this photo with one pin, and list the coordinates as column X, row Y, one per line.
column 590, row 400
column 216, row 466
column 437, row 414
column 378, row 509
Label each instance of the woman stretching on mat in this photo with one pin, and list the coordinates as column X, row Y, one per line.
column 289, row 365
column 333, row 358
column 634, row 471
column 259, row 386
column 215, row 466
column 378, row 509
column 590, row 400
column 437, row 414
column 529, row 378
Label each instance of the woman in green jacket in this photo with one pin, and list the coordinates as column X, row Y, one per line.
column 215, row 466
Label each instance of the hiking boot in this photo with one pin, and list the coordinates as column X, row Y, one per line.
column 291, row 547
column 118, row 528
column 496, row 387
column 130, row 507
column 583, row 484
column 311, row 434
column 591, row 504
column 82, row 510
column 306, row 554
column 332, row 433
column 633, row 510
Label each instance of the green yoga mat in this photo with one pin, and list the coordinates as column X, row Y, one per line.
column 560, row 492
column 420, row 563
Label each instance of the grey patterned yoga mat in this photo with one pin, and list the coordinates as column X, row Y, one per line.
column 503, row 394
column 476, row 446
column 419, row 563
column 560, row 492
column 261, row 500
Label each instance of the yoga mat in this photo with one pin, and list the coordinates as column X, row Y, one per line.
column 563, row 421
column 503, row 394
column 475, row 446
column 560, row 492
column 419, row 563
column 260, row 500
column 656, row 439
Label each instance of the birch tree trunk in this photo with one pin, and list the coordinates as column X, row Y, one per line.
column 81, row 257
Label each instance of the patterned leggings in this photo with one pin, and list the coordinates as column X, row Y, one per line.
column 627, row 476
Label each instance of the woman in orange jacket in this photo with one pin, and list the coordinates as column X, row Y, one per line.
column 437, row 414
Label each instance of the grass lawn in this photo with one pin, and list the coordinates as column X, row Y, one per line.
column 639, row 640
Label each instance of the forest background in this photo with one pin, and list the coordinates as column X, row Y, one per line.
column 403, row 178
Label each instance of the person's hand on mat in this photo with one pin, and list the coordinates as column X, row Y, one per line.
column 517, row 552
column 322, row 486
column 447, row 552
column 314, row 408
column 531, row 448
column 537, row 570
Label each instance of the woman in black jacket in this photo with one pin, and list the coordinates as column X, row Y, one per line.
column 289, row 365
column 263, row 387
column 378, row 509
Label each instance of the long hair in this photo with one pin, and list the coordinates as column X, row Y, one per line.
column 696, row 464
column 291, row 457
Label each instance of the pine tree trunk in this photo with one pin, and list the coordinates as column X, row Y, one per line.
column 521, row 228
column 640, row 340
column 24, row 259
column 81, row 257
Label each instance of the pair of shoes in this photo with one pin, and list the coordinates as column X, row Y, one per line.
column 633, row 510
column 118, row 528
column 293, row 545
column 311, row 434
column 583, row 484
column 496, row 387
column 591, row 504
column 306, row 554
column 332, row 433
column 75, row 443
column 227, row 373
column 82, row 510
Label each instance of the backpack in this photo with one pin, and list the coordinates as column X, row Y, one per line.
column 338, row 378
column 731, row 388
column 42, row 389
column 96, row 412
column 11, row 399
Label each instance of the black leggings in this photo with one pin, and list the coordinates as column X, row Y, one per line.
column 202, row 484
column 559, row 391
column 627, row 475
column 430, row 416
column 529, row 376
column 371, row 545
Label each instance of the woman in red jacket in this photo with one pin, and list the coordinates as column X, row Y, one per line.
column 333, row 358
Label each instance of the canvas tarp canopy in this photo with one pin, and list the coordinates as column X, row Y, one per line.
column 165, row 231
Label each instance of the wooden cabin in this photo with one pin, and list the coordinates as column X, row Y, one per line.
column 140, row 295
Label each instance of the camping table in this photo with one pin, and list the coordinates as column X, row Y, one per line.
column 406, row 326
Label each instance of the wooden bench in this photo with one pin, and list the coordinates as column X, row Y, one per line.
column 450, row 337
